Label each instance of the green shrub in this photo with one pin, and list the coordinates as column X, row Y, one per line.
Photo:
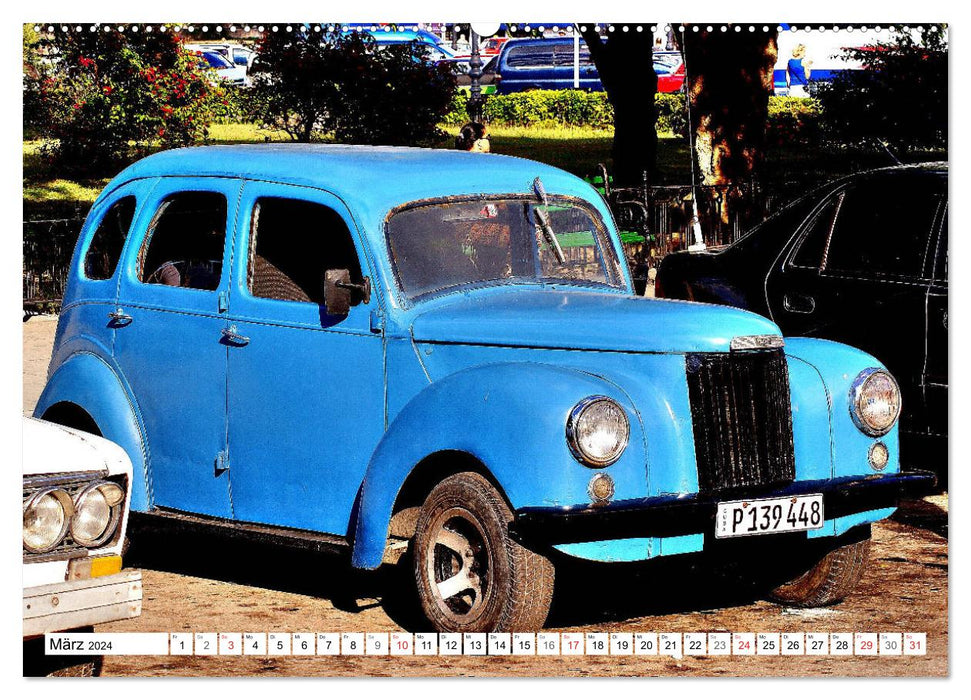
column 309, row 85
column 672, row 117
column 793, row 120
column 790, row 118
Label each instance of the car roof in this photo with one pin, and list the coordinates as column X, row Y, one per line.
column 372, row 179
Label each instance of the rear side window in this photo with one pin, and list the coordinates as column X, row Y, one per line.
column 530, row 57
column 185, row 242
column 292, row 244
column 102, row 257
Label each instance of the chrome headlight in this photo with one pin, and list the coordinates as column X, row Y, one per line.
column 874, row 401
column 597, row 431
column 97, row 510
column 46, row 518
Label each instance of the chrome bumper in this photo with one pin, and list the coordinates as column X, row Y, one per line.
column 67, row 605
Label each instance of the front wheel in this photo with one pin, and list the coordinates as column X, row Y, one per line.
column 471, row 576
column 829, row 580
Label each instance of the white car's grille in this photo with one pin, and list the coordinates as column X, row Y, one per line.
column 72, row 484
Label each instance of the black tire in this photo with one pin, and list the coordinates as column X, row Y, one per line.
column 829, row 580
column 509, row 588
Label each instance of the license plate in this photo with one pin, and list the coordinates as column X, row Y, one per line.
column 769, row 515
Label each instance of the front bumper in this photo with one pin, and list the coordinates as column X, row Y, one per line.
column 674, row 515
column 67, row 605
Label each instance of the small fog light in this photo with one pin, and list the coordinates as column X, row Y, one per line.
column 879, row 456
column 600, row 488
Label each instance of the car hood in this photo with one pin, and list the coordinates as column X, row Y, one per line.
column 584, row 320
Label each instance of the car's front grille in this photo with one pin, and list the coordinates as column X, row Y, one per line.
column 742, row 419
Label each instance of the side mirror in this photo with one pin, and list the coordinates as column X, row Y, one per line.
column 338, row 289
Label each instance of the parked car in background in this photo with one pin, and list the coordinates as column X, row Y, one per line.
column 75, row 500
column 862, row 261
column 551, row 64
column 493, row 45
column 235, row 53
column 226, row 71
column 391, row 350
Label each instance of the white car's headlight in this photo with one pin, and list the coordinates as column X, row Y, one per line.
column 597, row 431
column 46, row 518
column 874, row 401
column 97, row 510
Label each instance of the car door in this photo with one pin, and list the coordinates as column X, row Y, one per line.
column 169, row 341
column 306, row 388
column 870, row 285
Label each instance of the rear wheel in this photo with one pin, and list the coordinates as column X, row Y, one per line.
column 471, row 576
column 829, row 580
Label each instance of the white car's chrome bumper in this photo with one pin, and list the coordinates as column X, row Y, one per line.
column 66, row 605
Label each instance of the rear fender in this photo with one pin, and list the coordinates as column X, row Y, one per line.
column 88, row 381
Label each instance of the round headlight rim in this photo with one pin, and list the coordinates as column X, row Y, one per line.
column 571, row 432
column 856, row 395
column 67, row 506
column 113, row 520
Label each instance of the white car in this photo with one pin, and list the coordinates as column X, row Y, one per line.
column 226, row 70
column 76, row 493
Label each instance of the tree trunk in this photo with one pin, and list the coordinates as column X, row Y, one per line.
column 625, row 63
column 729, row 77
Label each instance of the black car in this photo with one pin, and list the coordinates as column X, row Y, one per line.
column 862, row 261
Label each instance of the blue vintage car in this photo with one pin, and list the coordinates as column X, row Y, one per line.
column 438, row 354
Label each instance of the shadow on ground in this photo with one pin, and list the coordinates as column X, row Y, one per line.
column 924, row 515
column 585, row 593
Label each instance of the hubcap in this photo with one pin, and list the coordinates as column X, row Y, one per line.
column 458, row 565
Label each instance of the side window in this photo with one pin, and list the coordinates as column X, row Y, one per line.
column 109, row 238
column 940, row 264
column 185, row 241
column 813, row 244
column 530, row 57
column 882, row 229
column 292, row 244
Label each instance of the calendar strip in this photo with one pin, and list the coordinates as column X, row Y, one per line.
column 387, row 644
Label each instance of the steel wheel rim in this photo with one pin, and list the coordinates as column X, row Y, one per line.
column 459, row 566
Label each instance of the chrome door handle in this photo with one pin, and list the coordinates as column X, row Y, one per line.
column 119, row 317
column 230, row 335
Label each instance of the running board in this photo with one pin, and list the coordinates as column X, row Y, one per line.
column 167, row 521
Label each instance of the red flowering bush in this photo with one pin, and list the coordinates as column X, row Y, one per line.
column 103, row 97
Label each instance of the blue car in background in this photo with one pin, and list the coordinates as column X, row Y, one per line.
column 436, row 358
column 551, row 64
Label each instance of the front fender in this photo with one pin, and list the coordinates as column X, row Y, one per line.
column 838, row 365
column 512, row 418
column 88, row 381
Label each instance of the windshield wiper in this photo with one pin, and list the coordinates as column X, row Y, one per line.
column 543, row 219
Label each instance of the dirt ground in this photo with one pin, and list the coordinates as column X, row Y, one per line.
column 257, row 588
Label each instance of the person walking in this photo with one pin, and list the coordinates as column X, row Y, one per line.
column 798, row 71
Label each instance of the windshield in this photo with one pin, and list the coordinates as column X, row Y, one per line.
column 215, row 60
column 439, row 246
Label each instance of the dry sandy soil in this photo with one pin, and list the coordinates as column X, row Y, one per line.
column 257, row 588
